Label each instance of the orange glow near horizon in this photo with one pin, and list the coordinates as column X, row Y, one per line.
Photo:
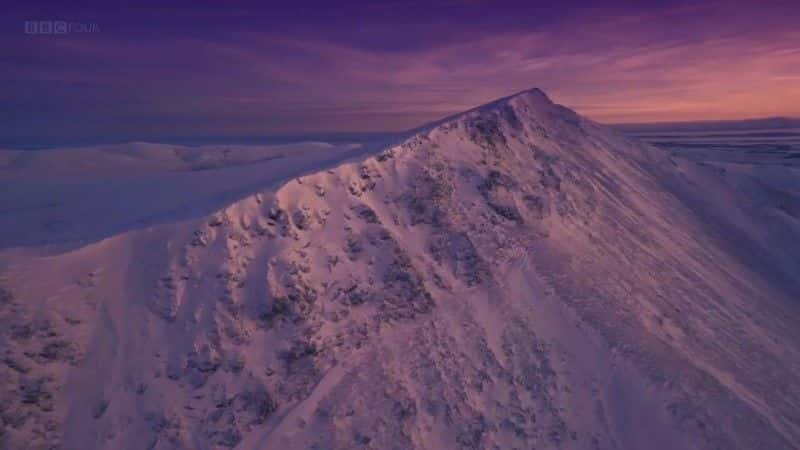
column 388, row 68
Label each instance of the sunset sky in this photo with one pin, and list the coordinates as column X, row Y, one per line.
column 204, row 69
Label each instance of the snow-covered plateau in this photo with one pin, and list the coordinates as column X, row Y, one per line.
column 512, row 277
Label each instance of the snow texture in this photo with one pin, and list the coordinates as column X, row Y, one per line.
column 512, row 277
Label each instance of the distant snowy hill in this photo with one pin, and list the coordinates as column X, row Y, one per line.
column 767, row 123
column 85, row 194
column 515, row 276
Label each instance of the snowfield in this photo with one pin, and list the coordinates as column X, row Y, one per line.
column 515, row 276
column 63, row 196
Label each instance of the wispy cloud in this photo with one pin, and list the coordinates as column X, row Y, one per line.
column 679, row 63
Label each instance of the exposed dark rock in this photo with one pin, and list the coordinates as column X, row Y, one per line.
column 60, row 350
column 366, row 213
column 298, row 350
column 354, row 295
column 33, row 391
column 549, row 179
column 301, row 219
column 457, row 249
column 15, row 364
column 353, row 246
column 277, row 214
column 6, row 296
column 536, row 205
column 427, row 202
column 506, row 211
column 217, row 220
column 21, row 332
column 201, row 238
column 257, row 404
column 227, row 437
column 100, row 408
column 207, row 359
column 498, row 190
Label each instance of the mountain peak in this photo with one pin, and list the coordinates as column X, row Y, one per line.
column 531, row 99
column 535, row 94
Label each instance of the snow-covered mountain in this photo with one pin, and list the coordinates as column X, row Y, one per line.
column 515, row 276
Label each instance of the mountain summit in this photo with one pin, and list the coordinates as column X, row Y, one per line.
column 515, row 276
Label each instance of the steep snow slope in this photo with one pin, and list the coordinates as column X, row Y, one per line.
column 512, row 277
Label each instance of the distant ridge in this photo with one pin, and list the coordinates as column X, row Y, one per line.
column 767, row 123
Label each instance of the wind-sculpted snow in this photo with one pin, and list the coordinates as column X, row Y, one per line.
column 512, row 277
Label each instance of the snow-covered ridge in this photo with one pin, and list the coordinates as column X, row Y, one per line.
column 143, row 157
column 515, row 276
column 77, row 196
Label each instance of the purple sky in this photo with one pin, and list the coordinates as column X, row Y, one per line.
column 204, row 69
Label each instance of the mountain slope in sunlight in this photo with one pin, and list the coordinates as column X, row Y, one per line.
column 515, row 276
